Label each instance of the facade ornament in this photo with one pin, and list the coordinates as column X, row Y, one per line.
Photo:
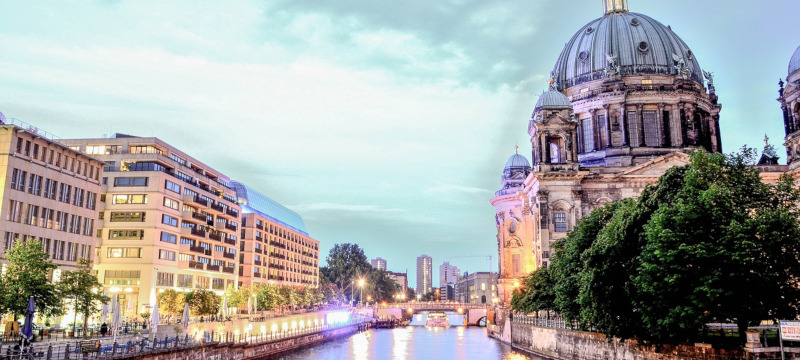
column 780, row 85
column 612, row 64
column 709, row 77
column 680, row 64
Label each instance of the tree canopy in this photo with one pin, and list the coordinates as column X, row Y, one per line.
column 708, row 242
column 27, row 274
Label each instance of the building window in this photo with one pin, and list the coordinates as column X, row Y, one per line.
column 124, row 252
column 50, row 187
column 560, row 221
column 217, row 284
column 129, row 199
column 167, row 237
column 18, row 179
column 35, row 185
column 171, row 186
column 184, row 280
column 166, row 255
column 146, row 149
column 77, row 197
column 132, row 216
column 64, row 193
column 169, row 220
column 130, row 181
column 588, row 135
column 91, row 200
column 171, row 203
column 651, row 137
column 165, row 279
column 126, row 234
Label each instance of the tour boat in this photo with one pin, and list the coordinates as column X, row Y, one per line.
column 437, row 320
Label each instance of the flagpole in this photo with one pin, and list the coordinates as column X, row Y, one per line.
column 780, row 338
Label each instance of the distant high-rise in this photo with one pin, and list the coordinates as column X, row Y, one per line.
column 448, row 274
column 379, row 263
column 424, row 275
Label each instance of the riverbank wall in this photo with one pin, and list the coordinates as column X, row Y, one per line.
column 564, row 344
column 244, row 350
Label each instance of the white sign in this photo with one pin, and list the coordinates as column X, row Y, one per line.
column 790, row 330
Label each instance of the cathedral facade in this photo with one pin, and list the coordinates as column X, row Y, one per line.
column 627, row 100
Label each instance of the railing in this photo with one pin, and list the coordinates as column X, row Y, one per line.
column 215, row 236
column 230, row 227
column 196, row 265
column 228, row 255
column 32, row 129
column 210, row 267
column 550, row 322
column 232, row 212
column 230, row 241
column 228, row 270
column 198, row 232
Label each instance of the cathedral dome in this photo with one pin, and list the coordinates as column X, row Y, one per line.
column 517, row 161
column 626, row 43
column 794, row 64
column 552, row 100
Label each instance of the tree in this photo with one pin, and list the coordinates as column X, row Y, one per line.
column 171, row 302
column 380, row 286
column 85, row 291
column 267, row 296
column 203, row 302
column 537, row 293
column 346, row 263
column 726, row 246
column 27, row 275
column 238, row 298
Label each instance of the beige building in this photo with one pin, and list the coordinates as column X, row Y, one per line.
column 49, row 193
column 170, row 221
column 275, row 247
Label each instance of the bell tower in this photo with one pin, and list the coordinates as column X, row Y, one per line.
column 554, row 133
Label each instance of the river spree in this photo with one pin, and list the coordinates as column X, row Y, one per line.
column 413, row 342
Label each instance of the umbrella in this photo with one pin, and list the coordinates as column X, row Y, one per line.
column 104, row 314
column 27, row 330
column 249, row 306
column 185, row 319
column 154, row 320
column 255, row 304
column 116, row 317
column 224, row 306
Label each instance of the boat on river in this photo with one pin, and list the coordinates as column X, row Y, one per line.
column 437, row 319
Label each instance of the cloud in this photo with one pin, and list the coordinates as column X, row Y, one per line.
column 343, row 207
column 452, row 188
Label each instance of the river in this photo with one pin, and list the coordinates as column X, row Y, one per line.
column 410, row 343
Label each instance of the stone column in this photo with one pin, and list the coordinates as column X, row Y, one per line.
column 607, row 126
column 598, row 133
column 675, row 122
column 623, row 122
column 661, row 130
column 546, row 148
column 640, row 121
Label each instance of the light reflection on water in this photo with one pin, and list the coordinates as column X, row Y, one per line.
column 413, row 342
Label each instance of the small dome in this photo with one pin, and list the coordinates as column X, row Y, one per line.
column 626, row 43
column 552, row 100
column 794, row 64
column 517, row 161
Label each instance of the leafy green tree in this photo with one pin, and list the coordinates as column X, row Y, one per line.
column 84, row 290
column 380, row 286
column 203, row 302
column 567, row 263
column 725, row 247
column 27, row 275
column 537, row 293
column 238, row 297
column 268, row 297
column 346, row 264
column 171, row 302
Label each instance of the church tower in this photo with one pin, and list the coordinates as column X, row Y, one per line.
column 515, row 227
column 554, row 133
column 789, row 98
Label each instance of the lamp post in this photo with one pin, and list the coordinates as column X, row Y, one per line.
column 361, row 285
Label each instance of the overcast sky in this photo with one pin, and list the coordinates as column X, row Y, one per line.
column 384, row 123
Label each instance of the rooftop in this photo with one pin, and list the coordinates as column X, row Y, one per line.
column 252, row 201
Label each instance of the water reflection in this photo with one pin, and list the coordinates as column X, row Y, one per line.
column 413, row 343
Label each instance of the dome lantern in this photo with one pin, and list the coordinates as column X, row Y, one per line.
column 615, row 6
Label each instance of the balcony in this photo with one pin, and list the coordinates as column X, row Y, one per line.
column 232, row 212
column 196, row 265
column 195, row 200
column 258, row 238
column 258, row 251
column 258, row 275
column 257, row 262
column 210, row 267
column 217, row 207
column 230, row 241
column 215, row 236
column 230, row 227
column 228, row 270
column 200, row 250
column 260, row 227
column 187, row 231
column 228, row 255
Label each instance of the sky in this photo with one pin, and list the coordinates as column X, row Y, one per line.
column 382, row 123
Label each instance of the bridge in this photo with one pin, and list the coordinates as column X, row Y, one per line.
column 476, row 313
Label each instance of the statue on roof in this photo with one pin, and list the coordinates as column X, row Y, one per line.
column 769, row 156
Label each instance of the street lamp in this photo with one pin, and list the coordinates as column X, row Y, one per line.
column 361, row 285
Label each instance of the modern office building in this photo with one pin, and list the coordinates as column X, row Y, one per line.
column 379, row 263
column 275, row 247
column 170, row 221
column 424, row 275
column 448, row 274
column 49, row 193
column 477, row 288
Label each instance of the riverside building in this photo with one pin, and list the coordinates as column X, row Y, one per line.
column 49, row 193
column 170, row 221
column 275, row 247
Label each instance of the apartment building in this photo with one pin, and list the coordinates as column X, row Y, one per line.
column 275, row 247
column 169, row 222
column 477, row 288
column 424, row 275
column 378, row 263
column 49, row 193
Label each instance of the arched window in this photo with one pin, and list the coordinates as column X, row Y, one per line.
column 560, row 221
column 557, row 151
column 483, row 299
